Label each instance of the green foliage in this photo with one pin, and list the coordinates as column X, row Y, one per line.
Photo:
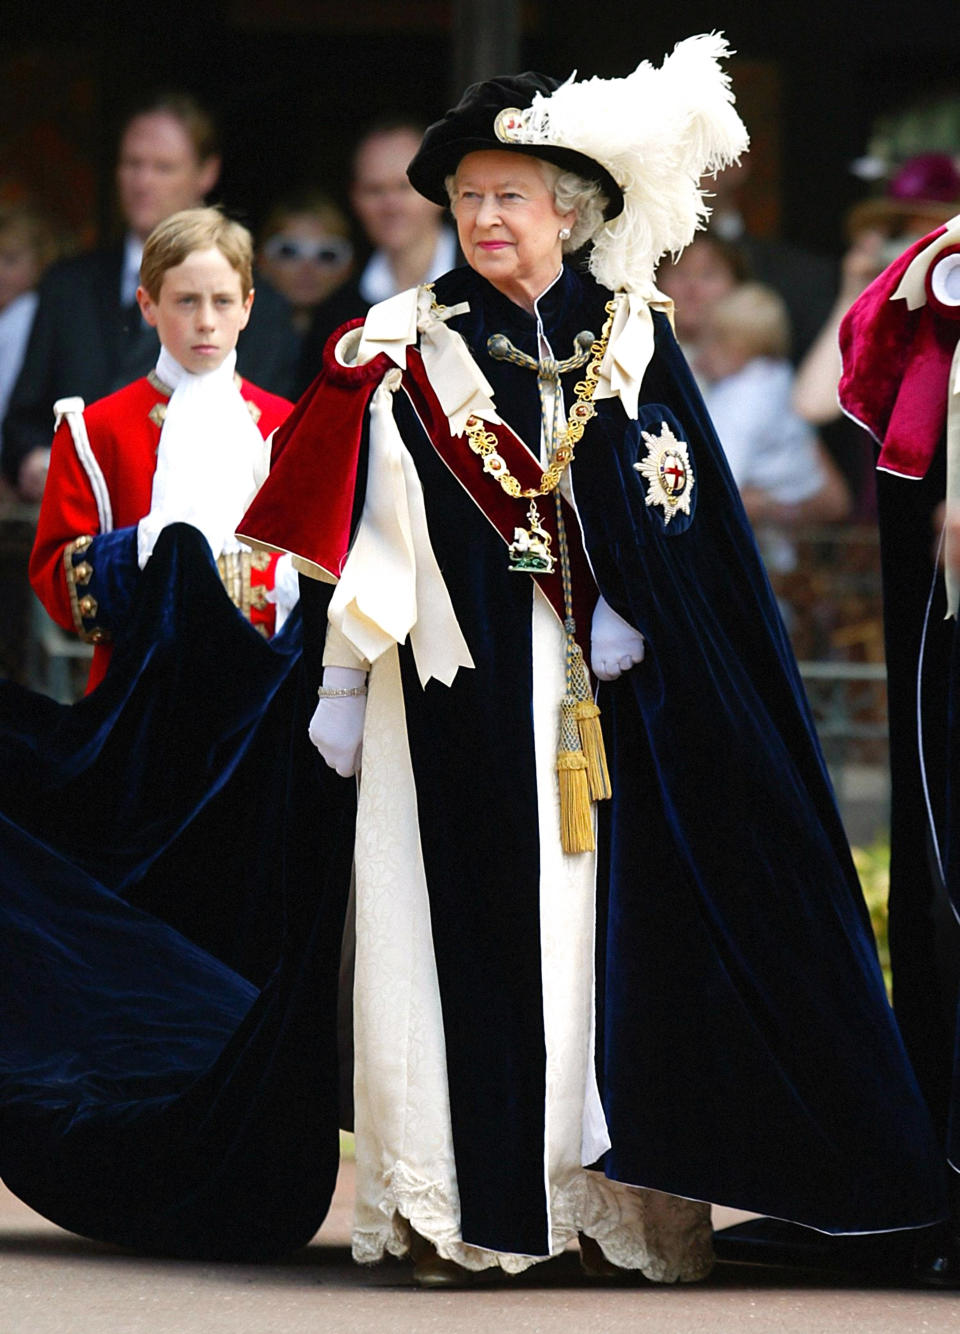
column 873, row 868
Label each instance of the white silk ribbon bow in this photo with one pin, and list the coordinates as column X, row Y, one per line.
column 630, row 347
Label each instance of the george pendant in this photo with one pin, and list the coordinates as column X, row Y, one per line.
column 530, row 548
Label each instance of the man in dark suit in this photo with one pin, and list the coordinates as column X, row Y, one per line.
column 88, row 337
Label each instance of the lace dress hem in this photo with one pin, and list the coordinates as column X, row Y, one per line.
column 665, row 1237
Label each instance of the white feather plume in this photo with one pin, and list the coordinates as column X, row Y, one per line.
column 657, row 132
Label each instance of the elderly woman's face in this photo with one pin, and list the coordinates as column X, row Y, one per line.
column 508, row 223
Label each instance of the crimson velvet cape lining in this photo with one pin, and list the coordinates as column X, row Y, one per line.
column 896, row 365
column 168, row 1071
column 746, row 1051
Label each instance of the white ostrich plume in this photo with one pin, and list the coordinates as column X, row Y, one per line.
column 657, row 132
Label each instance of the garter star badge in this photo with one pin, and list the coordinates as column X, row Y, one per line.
column 668, row 472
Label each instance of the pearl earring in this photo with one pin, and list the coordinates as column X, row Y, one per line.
column 564, row 233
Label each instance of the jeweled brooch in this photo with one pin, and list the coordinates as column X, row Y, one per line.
column 668, row 473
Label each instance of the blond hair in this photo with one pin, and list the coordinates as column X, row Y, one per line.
column 755, row 318
column 178, row 236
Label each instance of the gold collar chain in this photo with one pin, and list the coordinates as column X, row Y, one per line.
column 484, row 442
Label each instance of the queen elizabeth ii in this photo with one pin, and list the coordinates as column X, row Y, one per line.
column 612, row 961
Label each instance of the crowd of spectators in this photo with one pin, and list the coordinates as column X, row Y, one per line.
column 756, row 315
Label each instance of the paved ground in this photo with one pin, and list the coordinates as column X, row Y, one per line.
column 55, row 1283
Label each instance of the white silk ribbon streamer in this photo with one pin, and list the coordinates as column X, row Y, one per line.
column 391, row 585
column 630, row 347
column 951, row 556
column 210, row 460
column 912, row 285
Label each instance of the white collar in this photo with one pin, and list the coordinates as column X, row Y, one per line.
column 542, row 339
column 170, row 372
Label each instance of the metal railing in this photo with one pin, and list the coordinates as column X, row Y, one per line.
column 831, row 599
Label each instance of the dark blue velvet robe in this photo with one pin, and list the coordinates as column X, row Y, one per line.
column 747, row 1052
column 168, row 1077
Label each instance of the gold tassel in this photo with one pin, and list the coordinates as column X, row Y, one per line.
column 576, row 824
column 576, row 816
column 588, row 723
column 591, row 739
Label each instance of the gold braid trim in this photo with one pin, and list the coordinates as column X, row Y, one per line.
column 234, row 568
column 83, row 606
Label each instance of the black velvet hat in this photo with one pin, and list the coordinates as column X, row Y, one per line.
column 469, row 128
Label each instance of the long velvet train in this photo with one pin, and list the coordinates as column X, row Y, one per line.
column 150, row 1095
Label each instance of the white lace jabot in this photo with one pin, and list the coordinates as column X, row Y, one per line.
column 210, row 460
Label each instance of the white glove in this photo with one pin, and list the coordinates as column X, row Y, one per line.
column 615, row 646
column 336, row 728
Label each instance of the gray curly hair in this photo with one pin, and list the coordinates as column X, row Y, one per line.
column 571, row 194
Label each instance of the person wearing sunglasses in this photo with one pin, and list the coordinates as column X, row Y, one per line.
column 306, row 252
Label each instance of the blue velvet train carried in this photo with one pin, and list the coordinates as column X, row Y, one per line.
column 170, row 924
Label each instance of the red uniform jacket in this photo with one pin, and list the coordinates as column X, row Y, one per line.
column 124, row 433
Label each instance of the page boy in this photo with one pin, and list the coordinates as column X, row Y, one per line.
column 188, row 442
